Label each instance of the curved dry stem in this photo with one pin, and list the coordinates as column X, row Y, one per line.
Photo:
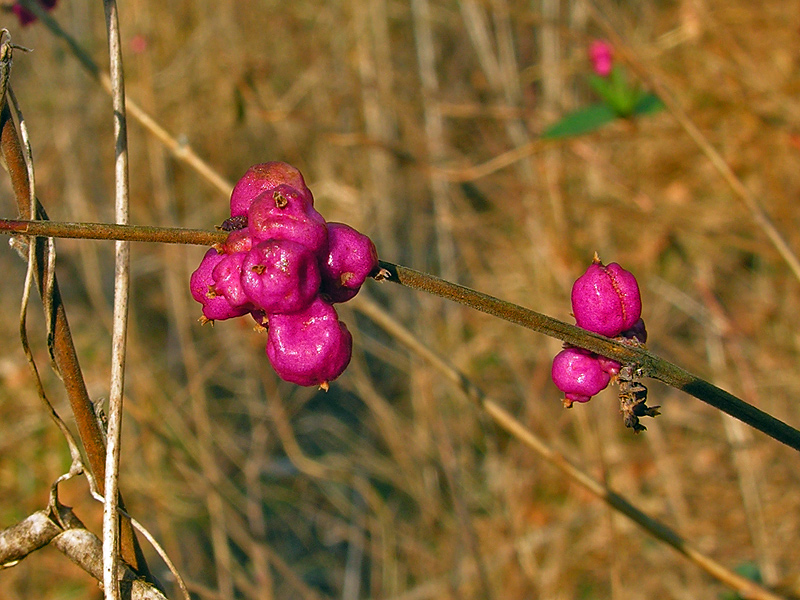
column 32, row 268
column 62, row 347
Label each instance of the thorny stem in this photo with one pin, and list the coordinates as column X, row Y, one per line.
column 649, row 365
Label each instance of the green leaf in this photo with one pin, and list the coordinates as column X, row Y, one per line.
column 581, row 121
column 648, row 104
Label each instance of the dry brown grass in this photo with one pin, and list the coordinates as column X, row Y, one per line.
column 391, row 485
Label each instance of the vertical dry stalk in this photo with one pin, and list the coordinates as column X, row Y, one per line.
column 120, row 319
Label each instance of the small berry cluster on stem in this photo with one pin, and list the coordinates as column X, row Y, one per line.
column 605, row 300
column 284, row 265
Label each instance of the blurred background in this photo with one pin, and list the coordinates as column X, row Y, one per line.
column 418, row 123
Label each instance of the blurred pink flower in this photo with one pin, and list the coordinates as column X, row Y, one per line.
column 25, row 16
column 601, row 54
column 138, row 44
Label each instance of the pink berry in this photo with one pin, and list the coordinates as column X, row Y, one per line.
column 280, row 276
column 284, row 213
column 609, row 365
column 578, row 374
column 351, row 258
column 264, row 177
column 216, row 307
column 238, row 240
column 228, row 282
column 606, row 299
column 311, row 347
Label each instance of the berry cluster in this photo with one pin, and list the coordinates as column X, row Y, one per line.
column 286, row 266
column 606, row 300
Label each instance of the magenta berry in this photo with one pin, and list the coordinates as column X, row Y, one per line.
column 238, row 240
column 311, row 347
column 228, row 282
column 578, row 374
column 216, row 307
column 264, row 177
column 606, row 299
column 280, row 276
column 609, row 365
column 351, row 258
column 284, row 213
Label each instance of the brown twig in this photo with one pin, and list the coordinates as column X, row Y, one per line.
column 111, row 231
column 649, row 365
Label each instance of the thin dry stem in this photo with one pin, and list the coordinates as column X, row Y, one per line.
column 61, row 344
column 120, row 318
column 649, row 365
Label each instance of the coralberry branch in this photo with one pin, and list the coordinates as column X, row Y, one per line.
column 283, row 264
column 605, row 300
